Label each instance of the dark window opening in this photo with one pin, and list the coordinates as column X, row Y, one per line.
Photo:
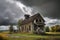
column 36, row 20
column 25, row 28
column 35, row 27
column 29, row 27
column 39, row 20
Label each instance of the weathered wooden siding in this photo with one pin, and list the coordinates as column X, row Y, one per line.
column 27, row 28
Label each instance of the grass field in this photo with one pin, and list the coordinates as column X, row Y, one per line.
column 52, row 32
column 26, row 36
column 34, row 37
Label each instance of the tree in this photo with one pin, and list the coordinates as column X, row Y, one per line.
column 11, row 28
column 47, row 29
column 55, row 28
column 19, row 23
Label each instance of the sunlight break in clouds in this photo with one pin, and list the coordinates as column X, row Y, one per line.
column 24, row 8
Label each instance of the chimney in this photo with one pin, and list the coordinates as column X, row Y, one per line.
column 26, row 16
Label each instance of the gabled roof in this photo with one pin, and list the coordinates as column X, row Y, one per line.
column 31, row 19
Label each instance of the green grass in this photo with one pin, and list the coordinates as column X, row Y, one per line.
column 53, row 32
column 36, row 36
column 26, row 36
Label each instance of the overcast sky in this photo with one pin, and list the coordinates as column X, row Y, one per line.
column 13, row 10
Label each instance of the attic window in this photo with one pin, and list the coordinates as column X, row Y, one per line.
column 39, row 20
column 36, row 20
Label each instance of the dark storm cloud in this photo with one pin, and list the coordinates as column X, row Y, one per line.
column 9, row 13
column 33, row 2
column 49, row 8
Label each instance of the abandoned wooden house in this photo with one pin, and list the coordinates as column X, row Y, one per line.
column 32, row 24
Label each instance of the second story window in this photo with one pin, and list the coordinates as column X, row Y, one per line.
column 36, row 20
column 39, row 20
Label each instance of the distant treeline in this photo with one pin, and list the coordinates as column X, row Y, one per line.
column 55, row 28
column 3, row 30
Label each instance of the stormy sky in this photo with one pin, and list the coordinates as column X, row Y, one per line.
column 13, row 10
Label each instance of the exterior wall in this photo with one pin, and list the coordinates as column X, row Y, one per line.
column 27, row 28
column 38, row 25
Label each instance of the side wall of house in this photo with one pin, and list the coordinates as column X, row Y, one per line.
column 27, row 28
